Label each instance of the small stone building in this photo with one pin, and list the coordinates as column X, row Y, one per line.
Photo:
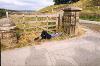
column 70, row 20
column 7, row 32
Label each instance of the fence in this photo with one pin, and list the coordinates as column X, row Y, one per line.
column 47, row 22
column 65, row 21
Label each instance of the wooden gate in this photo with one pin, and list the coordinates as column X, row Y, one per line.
column 65, row 21
column 48, row 22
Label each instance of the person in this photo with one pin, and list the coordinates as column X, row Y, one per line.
column 37, row 40
column 45, row 35
column 56, row 34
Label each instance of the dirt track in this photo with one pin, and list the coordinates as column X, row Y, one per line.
column 91, row 25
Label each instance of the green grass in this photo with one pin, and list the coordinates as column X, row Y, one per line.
column 86, row 5
column 91, row 18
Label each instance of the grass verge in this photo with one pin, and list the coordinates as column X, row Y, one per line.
column 28, row 39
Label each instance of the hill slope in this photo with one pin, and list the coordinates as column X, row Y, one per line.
column 91, row 9
column 87, row 5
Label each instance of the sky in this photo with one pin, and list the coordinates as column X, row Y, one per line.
column 25, row 4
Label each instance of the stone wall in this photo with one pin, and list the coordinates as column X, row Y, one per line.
column 8, row 38
column 70, row 20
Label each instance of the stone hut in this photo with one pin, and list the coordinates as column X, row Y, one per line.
column 7, row 32
column 70, row 20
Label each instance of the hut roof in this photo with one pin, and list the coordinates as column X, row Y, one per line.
column 5, row 22
column 72, row 9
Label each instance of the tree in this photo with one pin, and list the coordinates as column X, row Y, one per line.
column 2, row 12
column 96, row 2
column 75, row 0
column 57, row 2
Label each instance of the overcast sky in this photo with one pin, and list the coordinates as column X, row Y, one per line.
column 25, row 4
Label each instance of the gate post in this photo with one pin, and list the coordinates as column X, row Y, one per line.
column 70, row 19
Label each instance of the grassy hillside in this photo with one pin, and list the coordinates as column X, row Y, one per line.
column 86, row 5
column 90, row 10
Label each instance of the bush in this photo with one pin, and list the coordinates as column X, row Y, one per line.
column 91, row 17
column 2, row 13
column 57, row 2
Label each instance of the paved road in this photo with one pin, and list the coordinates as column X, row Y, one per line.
column 91, row 25
column 81, row 51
